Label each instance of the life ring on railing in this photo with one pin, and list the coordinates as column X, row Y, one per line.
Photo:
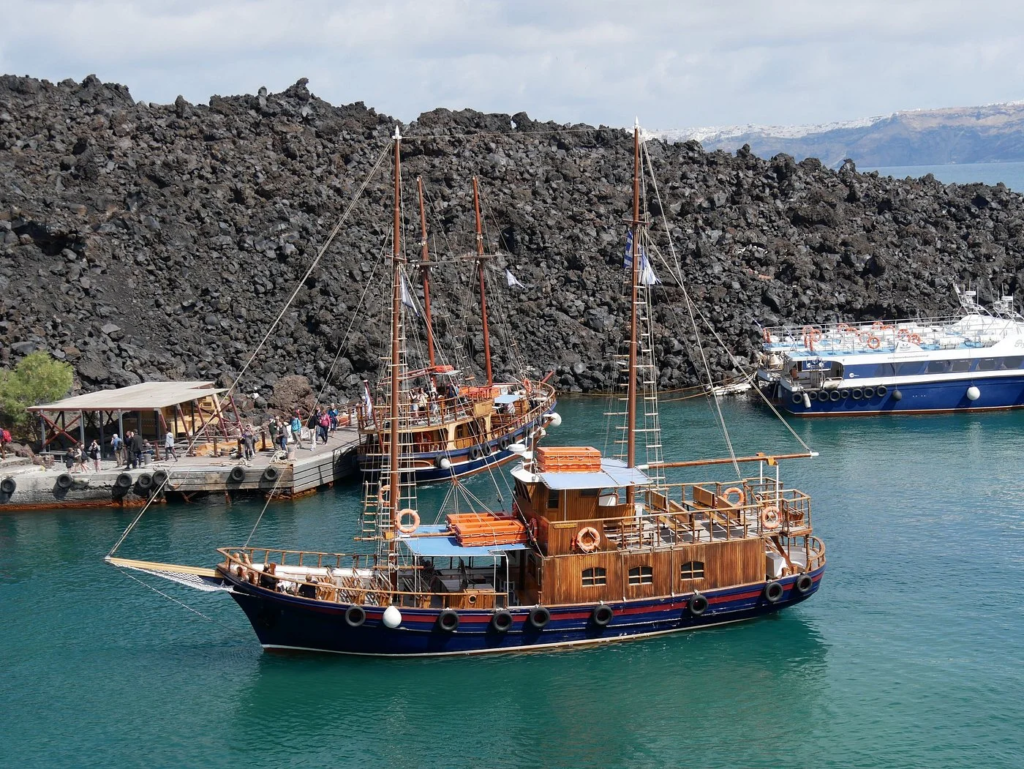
column 587, row 539
column 845, row 328
column 914, row 339
column 874, row 342
column 770, row 518
column 766, row 335
column 407, row 528
column 731, row 491
column 902, row 333
column 382, row 494
column 878, row 324
column 528, row 386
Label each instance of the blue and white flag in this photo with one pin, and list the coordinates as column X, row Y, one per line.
column 511, row 279
column 647, row 275
column 627, row 261
column 407, row 296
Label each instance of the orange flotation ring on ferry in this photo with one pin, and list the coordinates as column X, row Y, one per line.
column 382, row 494
column 914, row 339
column 846, row 328
column 731, row 492
column 874, row 342
column 902, row 334
column 407, row 528
column 528, row 386
column 770, row 518
column 588, row 539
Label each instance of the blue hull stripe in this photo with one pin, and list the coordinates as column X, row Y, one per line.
column 287, row 622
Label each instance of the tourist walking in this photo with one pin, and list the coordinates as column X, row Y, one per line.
column 117, row 446
column 80, row 458
column 323, row 423
column 272, row 431
column 169, row 450
column 282, row 434
column 332, row 413
column 94, row 454
column 248, row 442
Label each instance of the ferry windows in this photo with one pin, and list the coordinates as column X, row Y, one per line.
column 987, row 364
column 961, row 366
column 641, row 575
column 884, row 370
column 594, row 577
column 1012, row 362
column 552, row 499
column 692, row 570
column 939, row 366
column 910, row 369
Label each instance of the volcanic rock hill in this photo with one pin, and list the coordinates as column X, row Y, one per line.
column 142, row 241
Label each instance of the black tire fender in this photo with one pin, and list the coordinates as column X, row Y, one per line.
column 64, row 481
column 237, row 474
column 502, row 621
column 124, row 481
column 804, row 583
column 540, row 616
column 271, row 474
column 773, row 592
column 602, row 615
column 448, row 620
column 355, row 616
column 698, row 604
column 145, row 481
column 8, row 486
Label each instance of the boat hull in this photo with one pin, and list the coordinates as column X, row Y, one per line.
column 290, row 623
column 915, row 398
column 424, row 467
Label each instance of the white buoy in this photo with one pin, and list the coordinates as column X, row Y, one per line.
column 555, row 419
column 517, row 448
column 392, row 617
column 444, row 463
column 973, row 393
column 807, row 401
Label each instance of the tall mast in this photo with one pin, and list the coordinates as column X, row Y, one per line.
column 394, row 472
column 483, row 290
column 425, row 267
column 631, row 382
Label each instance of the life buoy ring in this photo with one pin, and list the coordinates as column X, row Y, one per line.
column 902, row 333
column 770, row 518
column 845, row 328
column 382, row 495
column 64, row 481
column 803, row 584
column 8, row 486
column 448, row 620
column 874, row 342
column 237, row 474
column 914, row 339
column 539, row 617
column 501, row 621
column 528, row 386
column 734, row 491
column 602, row 615
column 407, row 528
column 587, row 539
column 879, row 325
column 773, row 592
column 355, row 616
column 698, row 605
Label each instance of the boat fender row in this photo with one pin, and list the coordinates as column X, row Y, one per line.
column 698, row 604
column 866, row 393
column 8, row 486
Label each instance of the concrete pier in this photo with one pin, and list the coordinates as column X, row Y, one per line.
column 303, row 471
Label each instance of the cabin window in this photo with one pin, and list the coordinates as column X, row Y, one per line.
column 590, row 492
column 884, row 370
column 594, row 577
column 1012, row 362
column 552, row 500
column 641, row 575
column 987, row 364
column 692, row 570
column 939, row 366
column 961, row 366
column 910, row 369
column 521, row 489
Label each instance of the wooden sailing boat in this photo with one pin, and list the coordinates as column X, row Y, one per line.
column 595, row 549
column 451, row 428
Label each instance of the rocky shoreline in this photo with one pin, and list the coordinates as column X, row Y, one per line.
column 142, row 241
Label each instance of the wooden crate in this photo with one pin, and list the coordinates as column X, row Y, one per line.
column 575, row 459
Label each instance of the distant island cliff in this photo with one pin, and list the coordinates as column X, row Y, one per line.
column 990, row 134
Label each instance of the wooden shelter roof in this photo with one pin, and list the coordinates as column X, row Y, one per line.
column 140, row 397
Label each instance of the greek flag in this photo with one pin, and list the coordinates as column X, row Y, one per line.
column 407, row 299
column 512, row 281
column 367, row 401
column 647, row 275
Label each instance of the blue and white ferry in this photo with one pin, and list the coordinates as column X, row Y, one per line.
column 973, row 362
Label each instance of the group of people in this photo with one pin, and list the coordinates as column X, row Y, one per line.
column 129, row 450
column 321, row 424
column 77, row 459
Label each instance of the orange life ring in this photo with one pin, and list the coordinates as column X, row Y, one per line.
column 732, row 490
column 587, row 539
column 385, row 490
column 902, row 333
column 407, row 528
column 766, row 335
column 880, row 325
column 874, row 342
column 528, row 386
column 770, row 518
column 914, row 339
column 846, row 328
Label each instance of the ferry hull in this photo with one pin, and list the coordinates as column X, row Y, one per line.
column 424, row 465
column 286, row 622
column 916, row 398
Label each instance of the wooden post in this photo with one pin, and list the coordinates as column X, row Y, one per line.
column 634, row 299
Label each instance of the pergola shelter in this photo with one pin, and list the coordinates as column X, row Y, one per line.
column 152, row 409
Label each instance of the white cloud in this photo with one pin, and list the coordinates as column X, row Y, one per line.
column 673, row 63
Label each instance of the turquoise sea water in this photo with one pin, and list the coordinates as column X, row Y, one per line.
column 1010, row 174
column 911, row 655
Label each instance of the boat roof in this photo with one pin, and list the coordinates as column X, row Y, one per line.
column 427, row 543
column 613, row 474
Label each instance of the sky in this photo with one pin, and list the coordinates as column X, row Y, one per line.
column 674, row 64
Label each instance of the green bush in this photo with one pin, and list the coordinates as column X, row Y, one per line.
column 38, row 378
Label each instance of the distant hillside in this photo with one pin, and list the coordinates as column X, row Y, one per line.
column 989, row 134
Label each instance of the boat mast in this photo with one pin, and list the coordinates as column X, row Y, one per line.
column 631, row 382
column 394, row 472
column 425, row 267
column 483, row 292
